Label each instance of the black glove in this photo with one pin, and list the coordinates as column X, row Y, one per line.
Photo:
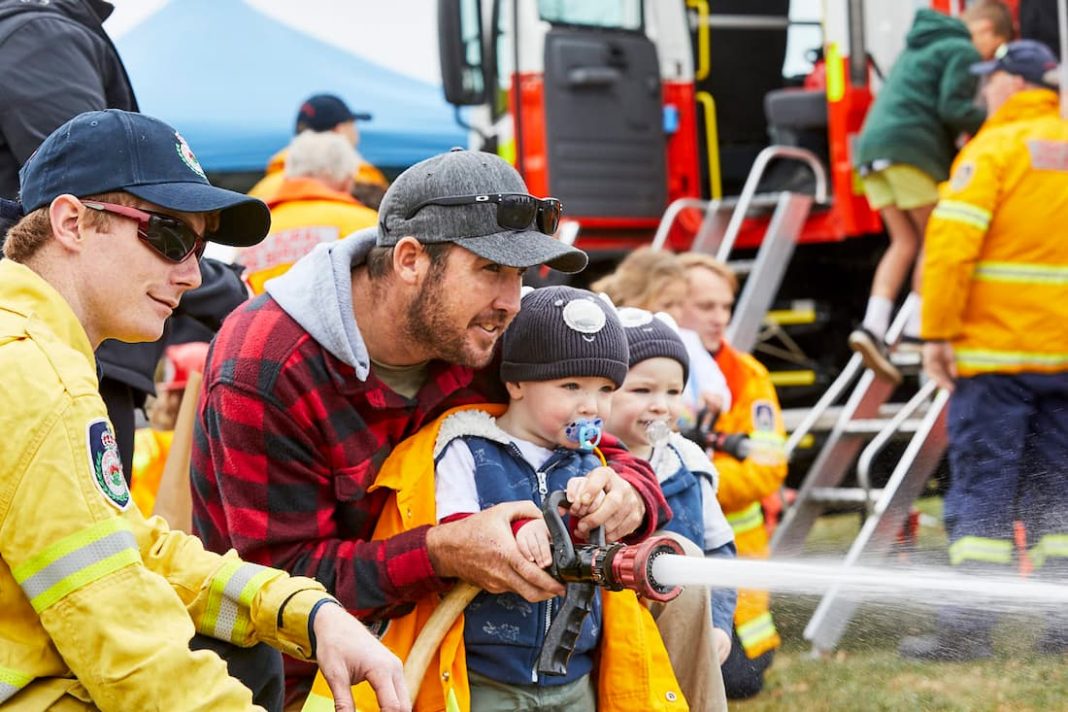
column 736, row 445
column 700, row 431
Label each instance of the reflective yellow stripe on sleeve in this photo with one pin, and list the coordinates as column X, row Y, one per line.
column 966, row 213
column 11, row 681
column 1051, row 546
column 76, row 561
column 756, row 631
column 992, row 360
column 226, row 615
column 746, row 520
column 1020, row 273
column 978, row 548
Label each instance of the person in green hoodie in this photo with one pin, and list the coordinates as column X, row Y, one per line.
column 906, row 146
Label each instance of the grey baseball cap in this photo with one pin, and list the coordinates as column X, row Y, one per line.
column 472, row 226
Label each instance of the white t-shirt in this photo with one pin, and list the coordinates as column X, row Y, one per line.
column 454, row 486
column 705, row 376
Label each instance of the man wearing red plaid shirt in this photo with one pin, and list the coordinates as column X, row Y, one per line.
column 360, row 344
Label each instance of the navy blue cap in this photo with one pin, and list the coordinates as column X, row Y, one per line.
column 105, row 151
column 1025, row 58
column 323, row 112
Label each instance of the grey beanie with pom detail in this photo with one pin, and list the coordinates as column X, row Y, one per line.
column 653, row 335
column 563, row 332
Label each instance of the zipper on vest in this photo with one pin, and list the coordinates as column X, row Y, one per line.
column 543, row 484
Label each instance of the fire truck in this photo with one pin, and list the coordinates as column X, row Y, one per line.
column 670, row 122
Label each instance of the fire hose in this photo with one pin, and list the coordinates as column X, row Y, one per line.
column 581, row 568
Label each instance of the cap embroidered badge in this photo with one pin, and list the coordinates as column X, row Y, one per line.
column 188, row 158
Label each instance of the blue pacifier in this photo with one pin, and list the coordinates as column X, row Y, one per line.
column 586, row 432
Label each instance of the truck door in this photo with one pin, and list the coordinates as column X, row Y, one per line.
column 604, row 120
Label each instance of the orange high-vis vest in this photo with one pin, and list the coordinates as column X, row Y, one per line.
column 634, row 671
column 268, row 186
column 304, row 213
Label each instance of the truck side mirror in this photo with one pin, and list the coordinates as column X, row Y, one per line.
column 460, row 46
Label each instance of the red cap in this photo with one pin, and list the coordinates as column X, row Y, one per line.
column 179, row 361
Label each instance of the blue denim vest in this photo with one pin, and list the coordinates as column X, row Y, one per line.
column 503, row 633
column 682, row 491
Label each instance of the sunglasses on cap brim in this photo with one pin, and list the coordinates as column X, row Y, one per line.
column 515, row 211
column 171, row 238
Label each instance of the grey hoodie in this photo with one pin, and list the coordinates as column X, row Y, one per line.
column 317, row 293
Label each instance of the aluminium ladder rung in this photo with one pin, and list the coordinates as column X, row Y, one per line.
column 741, row 267
column 842, row 495
column 873, row 426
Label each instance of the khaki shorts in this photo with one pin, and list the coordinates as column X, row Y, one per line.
column 900, row 185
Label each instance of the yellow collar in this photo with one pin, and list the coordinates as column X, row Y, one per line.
column 1027, row 104
column 24, row 292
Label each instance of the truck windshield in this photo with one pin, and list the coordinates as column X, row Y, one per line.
column 613, row 14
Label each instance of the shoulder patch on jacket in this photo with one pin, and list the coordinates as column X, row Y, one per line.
column 106, row 464
column 763, row 416
column 962, row 176
column 1048, row 155
column 468, row 422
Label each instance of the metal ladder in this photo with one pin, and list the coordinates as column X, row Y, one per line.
column 866, row 414
column 717, row 234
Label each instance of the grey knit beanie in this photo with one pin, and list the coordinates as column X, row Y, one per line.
column 563, row 332
column 653, row 335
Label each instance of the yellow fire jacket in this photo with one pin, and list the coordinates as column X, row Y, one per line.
column 304, row 212
column 634, row 672
column 97, row 604
column 743, row 484
column 995, row 281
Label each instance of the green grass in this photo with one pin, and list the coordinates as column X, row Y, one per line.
column 865, row 673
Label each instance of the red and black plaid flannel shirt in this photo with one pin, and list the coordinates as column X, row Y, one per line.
column 287, row 442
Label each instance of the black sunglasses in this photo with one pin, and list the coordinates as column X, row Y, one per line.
column 166, row 234
column 515, row 211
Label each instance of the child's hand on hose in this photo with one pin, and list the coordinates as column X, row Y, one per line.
column 585, row 495
column 534, row 542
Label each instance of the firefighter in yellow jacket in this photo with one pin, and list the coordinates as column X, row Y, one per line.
column 99, row 604
column 995, row 323
column 745, row 479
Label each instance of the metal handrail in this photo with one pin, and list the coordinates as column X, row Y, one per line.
column 829, row 397
column 742, row 206
column 715, row 174
column 853, row 368
column 672, row 212
column 704, row 54
column 749, row 189
column 880, row 441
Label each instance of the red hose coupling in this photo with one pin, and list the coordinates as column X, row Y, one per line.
column 632, row 567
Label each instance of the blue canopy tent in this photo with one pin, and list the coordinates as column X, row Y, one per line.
column 231, row 79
